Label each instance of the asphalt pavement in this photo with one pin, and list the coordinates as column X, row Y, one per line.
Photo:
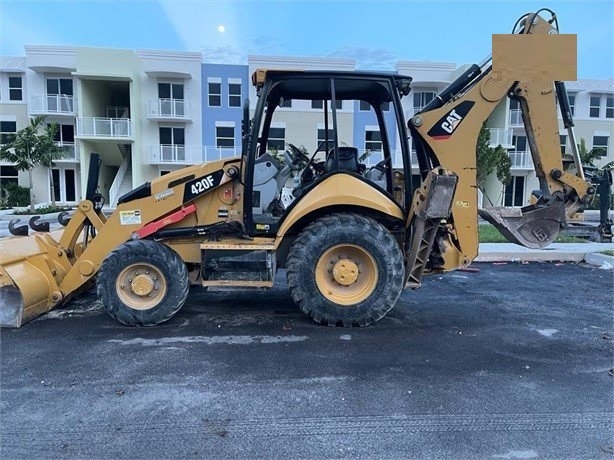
column 512, row 361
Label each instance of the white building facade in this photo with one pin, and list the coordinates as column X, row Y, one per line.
column 151, row 112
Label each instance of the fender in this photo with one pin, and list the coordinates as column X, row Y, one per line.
column 340, row 189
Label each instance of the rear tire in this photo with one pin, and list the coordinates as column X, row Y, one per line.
column 143, row 283
column 345, row 270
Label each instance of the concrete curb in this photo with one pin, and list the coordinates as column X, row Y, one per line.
column 600, row 260
column 556, row 252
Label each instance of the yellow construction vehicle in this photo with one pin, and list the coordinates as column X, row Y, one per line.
column 350, row 237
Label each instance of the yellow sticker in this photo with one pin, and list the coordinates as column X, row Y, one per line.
column 130, row 217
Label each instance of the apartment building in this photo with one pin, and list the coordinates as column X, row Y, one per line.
column 151, row 112
column 137, row 109
column 13, row 111
column 224, row 88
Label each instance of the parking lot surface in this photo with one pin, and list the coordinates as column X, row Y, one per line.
column 513, row 361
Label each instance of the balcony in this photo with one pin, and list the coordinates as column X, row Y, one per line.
column 188, row 155
column 521, row 160
column 501, row 137
column 70, row 152
column 93, row 127
column 53, row 104
column 168, row 109
column 516, row 118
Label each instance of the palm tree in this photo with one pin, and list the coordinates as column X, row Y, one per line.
column 588, row 157
column 30, row 148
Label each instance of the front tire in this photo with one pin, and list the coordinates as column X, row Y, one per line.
column 143, row 283
column 345, row 270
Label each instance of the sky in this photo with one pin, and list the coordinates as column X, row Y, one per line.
column 375, row 33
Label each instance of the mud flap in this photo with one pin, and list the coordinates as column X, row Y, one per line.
column 534, row 226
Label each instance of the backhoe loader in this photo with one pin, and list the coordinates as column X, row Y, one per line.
column 350, row 237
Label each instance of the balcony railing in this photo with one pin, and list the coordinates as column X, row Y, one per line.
column 70, row 151
column 521, row 160
column 516, row 118
column 54, row 104
column 104, row 127
column 182, row 154
column 168, row 108
column 500, row 136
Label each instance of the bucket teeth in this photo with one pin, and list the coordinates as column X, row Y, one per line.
column 38, row 226
column 17, row 230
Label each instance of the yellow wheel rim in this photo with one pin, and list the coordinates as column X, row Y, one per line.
column 141, row 286
column 346, row 274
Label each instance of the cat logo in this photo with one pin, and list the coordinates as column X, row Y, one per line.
column 462, row 204
column 447, row 124
column 451, row 122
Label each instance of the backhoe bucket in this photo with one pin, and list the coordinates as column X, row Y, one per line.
column 534, row 226
column 28, row 287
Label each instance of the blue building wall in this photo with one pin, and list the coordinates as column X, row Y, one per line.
column 223, row 113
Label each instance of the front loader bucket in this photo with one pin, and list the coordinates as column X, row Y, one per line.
column 28, row 287
column 534, row 226
column 11, row 305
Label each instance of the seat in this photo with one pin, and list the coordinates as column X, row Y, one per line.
column 348, row 160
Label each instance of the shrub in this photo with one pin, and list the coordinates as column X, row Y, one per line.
column 12, row 195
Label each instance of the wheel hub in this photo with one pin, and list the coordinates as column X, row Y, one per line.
column 142, row 285
column 345, row 272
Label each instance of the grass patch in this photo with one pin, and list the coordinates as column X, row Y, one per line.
column 487, row 233
column 608, row 252
column 42, row 210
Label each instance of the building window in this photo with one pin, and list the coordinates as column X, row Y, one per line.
column 172, row 136
column 322, row 138
column 8, row 175
column 170, row 91
column 572, row 103
column 373, row 140
column 601, row 142
column 422, row 98
column 57, row 86
column 215, row 94
column 563, row 142
column 365, row 106
column 234, row 95
column 595, row 106
column 277, row 139
column 514, row 193
column 172, row 144
column 65, row 134
column 15, row 89
column 609, row 107
column 225, row 137
column 320, row 104
column 7, row 131
column 286, row 103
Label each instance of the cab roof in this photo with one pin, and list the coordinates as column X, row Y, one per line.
column 316, row 84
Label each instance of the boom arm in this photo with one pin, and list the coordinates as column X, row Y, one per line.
column 445, row 134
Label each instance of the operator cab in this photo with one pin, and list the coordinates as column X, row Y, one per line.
column 308, row 126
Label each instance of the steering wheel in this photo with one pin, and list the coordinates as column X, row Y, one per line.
column 383, row 165
column 297, row 154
